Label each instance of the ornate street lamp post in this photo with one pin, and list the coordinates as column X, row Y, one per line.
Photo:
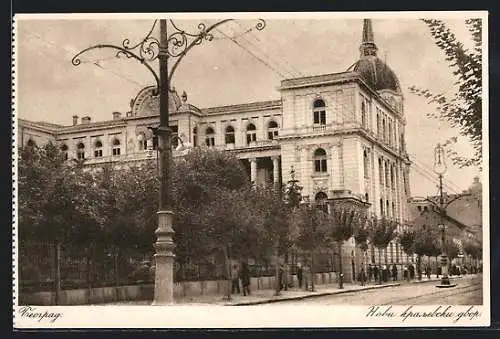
column 173, row 46
column 440, row 169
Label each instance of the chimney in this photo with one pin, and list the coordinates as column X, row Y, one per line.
column 75, row 120
column 117, row 115
column 86, row 120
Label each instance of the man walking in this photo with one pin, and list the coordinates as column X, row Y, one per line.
column 235, row 284
column 394, row 272
column 245, row 278
column 300, row 272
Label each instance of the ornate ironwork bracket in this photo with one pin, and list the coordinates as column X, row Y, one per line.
column 179, row 42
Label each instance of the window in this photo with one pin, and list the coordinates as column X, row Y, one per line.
column 363, row 113
column 392, row 252
column 380, row 171
column 392, row 177
column 393, row 210
column 383, row 130
column 387, row 183
column 251, row 133
column 80, row 151
column 31, row 143
column 272, row 130
column 320, row 161
column 397, row 252
column 419, row 208
column 319, row 112
column 143, row 143
column 378, row 124
column 98, row 149
column 367, row 197
column 116, row 147
column 64, row 150
column 366, row 163
column 229, row 135
column 387, row 210
column 195, row 136
column 210, row 137
column 321, row 200
column 175, row 133
column 381, row 207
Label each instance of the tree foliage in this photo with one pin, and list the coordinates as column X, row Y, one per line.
column 463, row 109
column 407, row 241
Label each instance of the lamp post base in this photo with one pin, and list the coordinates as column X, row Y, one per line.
column 445, row 283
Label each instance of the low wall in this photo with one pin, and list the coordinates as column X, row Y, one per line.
column 146, row 292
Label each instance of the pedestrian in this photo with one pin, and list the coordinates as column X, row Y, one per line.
column 428, row 271
column 307, row 278
column 375, row 273
column 394, row 272
column 405, row 272
column 245, row 278
column 235, row 284
column 281, row 277
column 412, row 272
column 299, row 274
column 362, row 276
column 369, row 272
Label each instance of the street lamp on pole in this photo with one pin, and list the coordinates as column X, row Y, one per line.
column 440, row 169
column 171, row 46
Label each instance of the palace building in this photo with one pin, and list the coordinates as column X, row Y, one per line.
column 342, row 133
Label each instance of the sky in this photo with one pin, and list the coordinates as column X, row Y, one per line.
column 224, row 71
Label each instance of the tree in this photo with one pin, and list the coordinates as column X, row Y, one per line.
column 407, row 241
column 423, row 245
column 58, row 203
column 310, row 228
column 341, row 224
column 464, row 109
column 381, row 234
column 361, row 235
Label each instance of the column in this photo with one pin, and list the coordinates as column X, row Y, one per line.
column 253, row 170
column 276, row 171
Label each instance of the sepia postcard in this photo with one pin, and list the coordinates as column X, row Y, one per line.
column 250, row 170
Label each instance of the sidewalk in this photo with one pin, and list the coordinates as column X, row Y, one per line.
column 266, row 296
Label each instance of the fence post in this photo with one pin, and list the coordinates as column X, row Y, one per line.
column 57, row 278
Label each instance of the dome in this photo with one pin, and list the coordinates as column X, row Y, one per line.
column 374, row 71
column 377, row 74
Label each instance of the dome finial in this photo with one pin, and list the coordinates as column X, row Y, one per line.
column 368, row 46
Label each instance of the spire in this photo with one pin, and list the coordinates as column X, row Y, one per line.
column 367, row 46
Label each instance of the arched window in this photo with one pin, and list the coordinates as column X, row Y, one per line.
column 321, row 200
column 210, row 137
column 419, row 208
column 98, row 149
column 397, row 253
column 393, row 210
column 195, row 136
column 366, row 164
column 116, row 147
column 64, row 150
column 426, row 208
column 272, row 130
column 175, row 134
column 367, row 197
column 319, row 112
column 80, row 151
column 381, row 207
column 380, row 171
column 320, row 165
column 143, row 142
column 229, row 135
column 387, row 210
column 251, row 133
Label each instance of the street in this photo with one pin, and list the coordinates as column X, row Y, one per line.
column 469, row 291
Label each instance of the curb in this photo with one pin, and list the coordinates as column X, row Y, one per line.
column 308, row 296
